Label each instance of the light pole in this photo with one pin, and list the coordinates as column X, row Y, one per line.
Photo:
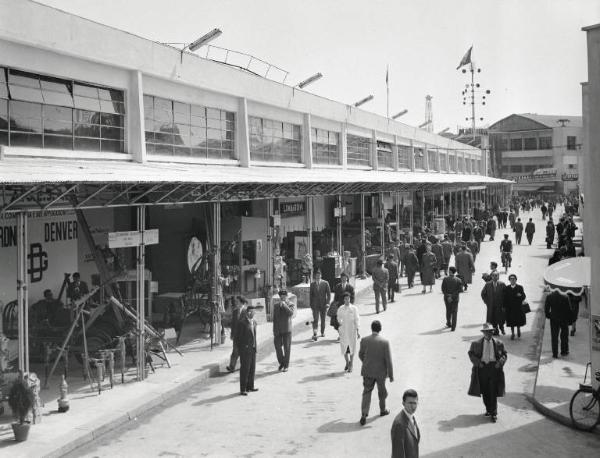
column 363, row 101
column 307, row 81
column 401, row 113
column 469, row 92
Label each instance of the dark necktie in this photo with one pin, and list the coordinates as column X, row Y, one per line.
column 417, row 429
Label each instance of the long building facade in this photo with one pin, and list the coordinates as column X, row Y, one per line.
column 250, row 183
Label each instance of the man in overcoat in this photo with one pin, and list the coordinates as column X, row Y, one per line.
column 438, row 251
column 493, row 297
column 487, row 375
column 238, row 308
column 245, row 339
column 320, row 296
column 549, row 234
column 283, row 312
column 465, row 266
column 376, row 358
column 447, row 250
column 428, row 267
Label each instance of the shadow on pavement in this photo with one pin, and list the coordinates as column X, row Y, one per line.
column 321, row 377
column 441, row 330
column 216, row 399
column 462, row 421
column 338, row 426
column 553, row 393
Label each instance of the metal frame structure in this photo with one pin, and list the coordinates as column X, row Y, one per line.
column 69, row 195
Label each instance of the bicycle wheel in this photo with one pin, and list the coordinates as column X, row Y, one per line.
column 584, row 410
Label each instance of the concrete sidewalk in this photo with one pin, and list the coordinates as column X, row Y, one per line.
column 92, row 415
column 559, row 378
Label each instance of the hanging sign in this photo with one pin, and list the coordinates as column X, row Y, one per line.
column 126, row 239
column 292, row 208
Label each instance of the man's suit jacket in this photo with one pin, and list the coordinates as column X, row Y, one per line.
column 320, row 294
column 283, row 311
column 558, row 308
column 405, row 438
column 380, row 277
column 245, row 336
column 376, row 357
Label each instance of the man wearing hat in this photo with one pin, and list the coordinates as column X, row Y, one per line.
column 245, row 339
column 487, row 375
column 283, row 312
column 392, row 268
column 320, row 296
column 381, row 278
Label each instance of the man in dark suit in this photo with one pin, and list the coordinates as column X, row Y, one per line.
column 452, row 286
column 392, row 268
column 376, row 358
column 283, row 312
column 487, row 376
column 77, row 288
column 238, row 308
column 245, row 338
column 493, row 296
column 558, row 311
column 320, row 296
column 381, row 278
column 530, row 230
column 405, row 432
column 338, row 298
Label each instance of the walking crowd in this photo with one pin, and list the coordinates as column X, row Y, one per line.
column 505, row 305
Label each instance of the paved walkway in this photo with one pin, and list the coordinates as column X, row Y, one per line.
column 313, row 409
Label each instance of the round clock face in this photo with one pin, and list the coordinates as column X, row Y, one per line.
column 194, row 254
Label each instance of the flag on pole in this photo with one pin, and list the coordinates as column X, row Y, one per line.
column 387, row 75
column 466, row 58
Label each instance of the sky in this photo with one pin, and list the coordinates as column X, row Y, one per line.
column 532, row 53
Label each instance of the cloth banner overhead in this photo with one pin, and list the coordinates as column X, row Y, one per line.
column 466, row 58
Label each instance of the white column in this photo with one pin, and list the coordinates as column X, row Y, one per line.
column 374, row 162
column 307, row 141
column 243, row 133
column 136, row 135
column 411, row 159
column 343, row 146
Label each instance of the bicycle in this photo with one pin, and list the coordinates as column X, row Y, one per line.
column 585, row 405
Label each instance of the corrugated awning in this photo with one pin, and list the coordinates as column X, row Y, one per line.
column 44, row 184
column 41, row 170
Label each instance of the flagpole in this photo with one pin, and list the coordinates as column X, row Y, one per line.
column 387, row 84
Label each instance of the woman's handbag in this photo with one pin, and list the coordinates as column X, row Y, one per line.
column 525, row 306
column 332, row 310
column 396, row 287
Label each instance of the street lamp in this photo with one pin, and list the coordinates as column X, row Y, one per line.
column 204, row 39
column 443, row 131
column 365, row 100
column 312, row 79
column 425, row 124
column 402, row 113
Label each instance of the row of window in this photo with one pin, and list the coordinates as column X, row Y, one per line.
column 181, row 129
column 45, row 112
column 523, row 143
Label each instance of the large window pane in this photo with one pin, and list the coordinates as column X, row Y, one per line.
column 52, row 126
column 3, row 114
column 58, row 141
column 22, row 139
column 87, row 144
column 358, row 150
column 268, row 142
column 25, row 93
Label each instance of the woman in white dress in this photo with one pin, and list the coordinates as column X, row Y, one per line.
column 348, row 318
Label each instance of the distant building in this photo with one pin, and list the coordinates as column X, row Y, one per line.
column 539, row 152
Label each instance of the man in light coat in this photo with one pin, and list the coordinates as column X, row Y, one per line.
column 320, row 296
column 464, row 266
column 376, row 358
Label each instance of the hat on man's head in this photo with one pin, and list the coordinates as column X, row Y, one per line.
column 283, row 292
column 250, row 306
column 487, row 327
column 379, row 261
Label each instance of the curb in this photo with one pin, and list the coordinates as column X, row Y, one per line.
column 566, row 421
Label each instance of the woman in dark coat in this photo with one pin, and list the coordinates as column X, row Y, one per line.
column 514, row 295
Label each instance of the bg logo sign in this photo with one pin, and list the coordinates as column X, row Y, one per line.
column 38, row 262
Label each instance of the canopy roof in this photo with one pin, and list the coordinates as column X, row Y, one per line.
column 570, row 275
column 44, row 184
